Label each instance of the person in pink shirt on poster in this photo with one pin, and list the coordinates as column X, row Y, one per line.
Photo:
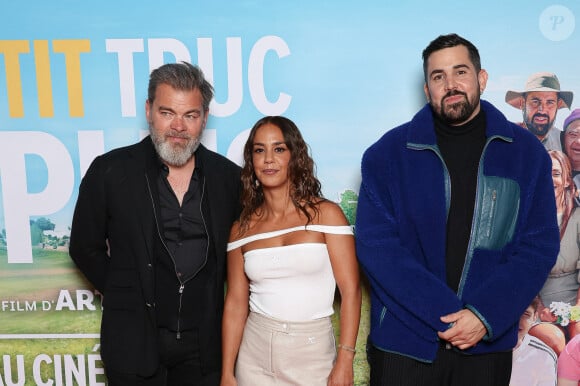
column 569, row 364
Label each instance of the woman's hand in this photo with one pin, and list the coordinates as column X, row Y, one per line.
column 228, row 381
column 342, row 373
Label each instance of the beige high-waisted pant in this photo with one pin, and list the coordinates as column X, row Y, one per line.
column 276, row 352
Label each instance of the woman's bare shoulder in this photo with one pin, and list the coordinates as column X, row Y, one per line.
column 235, row 231
column 330, row 213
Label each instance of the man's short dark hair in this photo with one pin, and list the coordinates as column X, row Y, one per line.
column 449, row 41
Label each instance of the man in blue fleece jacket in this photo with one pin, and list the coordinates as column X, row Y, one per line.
column 456, row 231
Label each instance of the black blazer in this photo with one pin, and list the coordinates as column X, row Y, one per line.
column 113, row 238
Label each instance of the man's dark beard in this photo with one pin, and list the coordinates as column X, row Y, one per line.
column 458, row 112
column 539, row 130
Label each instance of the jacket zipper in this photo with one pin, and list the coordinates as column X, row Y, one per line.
column 491, row 211
column 182, row 286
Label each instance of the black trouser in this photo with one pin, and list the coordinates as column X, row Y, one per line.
column 450, row 368
column 180, row 365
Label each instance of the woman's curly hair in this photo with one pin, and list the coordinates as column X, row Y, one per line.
column 305, row 189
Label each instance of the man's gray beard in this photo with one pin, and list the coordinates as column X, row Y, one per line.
column 174, row 155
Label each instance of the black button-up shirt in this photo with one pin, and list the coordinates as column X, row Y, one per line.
column 183, row 227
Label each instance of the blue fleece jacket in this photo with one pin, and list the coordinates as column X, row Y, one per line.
column 401, row 232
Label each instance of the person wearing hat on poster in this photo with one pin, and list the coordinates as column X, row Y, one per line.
column 571, row 139
column 539, row 102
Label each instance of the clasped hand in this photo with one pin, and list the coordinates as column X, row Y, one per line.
column 466, row 330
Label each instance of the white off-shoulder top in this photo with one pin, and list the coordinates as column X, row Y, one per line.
column 291, row 282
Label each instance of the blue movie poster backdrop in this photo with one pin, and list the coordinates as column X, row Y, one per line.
column 73, row 78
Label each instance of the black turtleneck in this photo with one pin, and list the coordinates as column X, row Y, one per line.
column 461, row 148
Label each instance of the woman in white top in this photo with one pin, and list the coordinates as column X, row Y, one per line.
column 287, row 253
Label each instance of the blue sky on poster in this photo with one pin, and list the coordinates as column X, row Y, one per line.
column 354, row 68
